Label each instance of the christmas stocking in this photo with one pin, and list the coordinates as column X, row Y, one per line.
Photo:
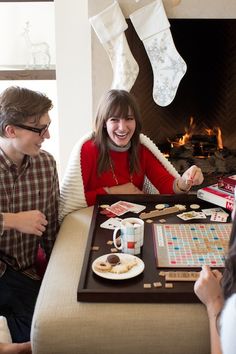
column 109, row 26
column 152, row 27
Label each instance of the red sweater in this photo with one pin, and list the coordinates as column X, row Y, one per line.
column 149, row 166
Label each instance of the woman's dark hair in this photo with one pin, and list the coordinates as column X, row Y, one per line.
column 19, row 105
column 229, row 276
column 116, row 102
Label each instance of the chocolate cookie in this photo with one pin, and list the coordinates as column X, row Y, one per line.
column 113, row 259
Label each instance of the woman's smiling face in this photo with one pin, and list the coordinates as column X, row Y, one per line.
column 121, row 129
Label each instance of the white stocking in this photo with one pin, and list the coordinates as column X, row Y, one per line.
column 109, row 26
column 152, row 27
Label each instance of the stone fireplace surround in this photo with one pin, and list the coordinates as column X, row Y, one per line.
column 204, row 33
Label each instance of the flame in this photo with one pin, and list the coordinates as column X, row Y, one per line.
column 217, row 132
column 209, row 131
column 189, row 131
column 219, row 139
column 187, row 136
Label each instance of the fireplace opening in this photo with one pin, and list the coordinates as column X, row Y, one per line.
column 207, row 93
column 203, row 141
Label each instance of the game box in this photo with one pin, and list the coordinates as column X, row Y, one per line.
column 141, row 288
column 217, row 196
column 227, row 183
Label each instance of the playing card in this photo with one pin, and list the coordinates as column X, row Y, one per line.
column 123, row 203
column 210, row 211
column 118, row 209
column 187, row 216
column 111, row 223
column 191, row 215
column 137, row 208
column 199, row 215
column 108, row 213
column 219, row 216
column 122, row 207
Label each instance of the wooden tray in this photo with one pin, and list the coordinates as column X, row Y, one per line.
column 93, row 288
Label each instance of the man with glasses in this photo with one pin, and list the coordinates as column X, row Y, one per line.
column 29, row 194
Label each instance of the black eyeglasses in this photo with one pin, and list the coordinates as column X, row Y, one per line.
column 40, row 131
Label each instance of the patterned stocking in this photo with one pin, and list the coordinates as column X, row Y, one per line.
column 109, row 26
column 152, row 27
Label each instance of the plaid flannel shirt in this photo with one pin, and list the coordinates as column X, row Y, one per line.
column 34, row 187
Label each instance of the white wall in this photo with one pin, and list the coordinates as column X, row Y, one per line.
column 13, row 18
column 73, row 70
column 15, row 54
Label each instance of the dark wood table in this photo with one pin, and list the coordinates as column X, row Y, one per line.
column 93, row 288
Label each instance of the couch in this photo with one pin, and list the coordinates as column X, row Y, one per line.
column 61, row 325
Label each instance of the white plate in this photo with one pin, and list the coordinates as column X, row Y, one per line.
column 133, row 272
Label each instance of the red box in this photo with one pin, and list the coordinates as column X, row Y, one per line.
column 216, row 196
column 227, row 183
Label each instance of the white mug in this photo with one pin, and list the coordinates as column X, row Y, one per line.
column 131, row 235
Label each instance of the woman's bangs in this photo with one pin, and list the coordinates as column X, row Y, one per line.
column 120, row 110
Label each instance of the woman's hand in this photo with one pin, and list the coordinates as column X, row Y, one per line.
column 15, row 348
column 191, row 177
column 209, row 290
column 127, row 188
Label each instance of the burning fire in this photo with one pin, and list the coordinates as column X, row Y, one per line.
column 189, row 132
column 187, row 136
column 219, row 139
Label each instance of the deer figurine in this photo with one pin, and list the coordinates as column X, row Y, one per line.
column 39, row 55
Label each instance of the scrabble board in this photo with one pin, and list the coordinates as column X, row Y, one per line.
column 191, row 245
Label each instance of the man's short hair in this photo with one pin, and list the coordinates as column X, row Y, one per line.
column 18, row 105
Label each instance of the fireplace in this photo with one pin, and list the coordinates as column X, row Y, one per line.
column 206, row 94
column 204, row 33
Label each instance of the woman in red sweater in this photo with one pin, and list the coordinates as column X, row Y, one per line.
column 116, row 158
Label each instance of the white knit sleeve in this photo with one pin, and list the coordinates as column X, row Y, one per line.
column 72, row 190
column 228, row 323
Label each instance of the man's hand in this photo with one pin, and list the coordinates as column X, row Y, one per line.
column 29, row 222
